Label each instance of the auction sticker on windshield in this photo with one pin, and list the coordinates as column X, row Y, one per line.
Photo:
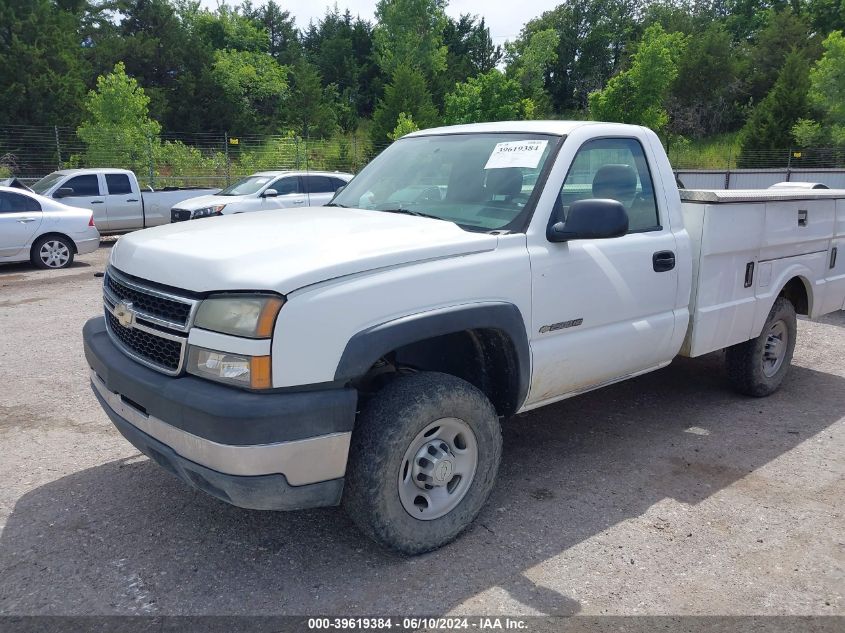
column 516, row 154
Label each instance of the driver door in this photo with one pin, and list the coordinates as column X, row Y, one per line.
column 87, row 193
column 603, row 309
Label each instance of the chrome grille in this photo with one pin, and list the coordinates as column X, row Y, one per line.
column 155, row 323
column 159, row 307
column 164, row 353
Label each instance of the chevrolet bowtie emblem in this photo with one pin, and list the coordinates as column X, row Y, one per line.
column 124, row 314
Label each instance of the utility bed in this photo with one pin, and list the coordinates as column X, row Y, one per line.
column 746, row 244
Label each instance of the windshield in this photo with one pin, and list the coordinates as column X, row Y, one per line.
column 246, row 186
column 46, row 182
column 479, row 181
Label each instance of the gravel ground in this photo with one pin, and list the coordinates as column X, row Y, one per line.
column 667, row 494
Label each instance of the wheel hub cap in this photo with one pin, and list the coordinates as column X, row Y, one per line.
column 433, row 465
column 774, row 351
column 438, row 468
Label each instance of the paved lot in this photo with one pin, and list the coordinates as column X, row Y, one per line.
column 667, row 494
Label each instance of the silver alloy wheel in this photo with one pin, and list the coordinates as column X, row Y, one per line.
column 54, row 253
column 438, row 469
column 774, row 352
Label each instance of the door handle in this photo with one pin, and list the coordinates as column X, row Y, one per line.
column 26, row 220
column 299, row 201
column 132, row 200
column 96, row 202
column 663, row 261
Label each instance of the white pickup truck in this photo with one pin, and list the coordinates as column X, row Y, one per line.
column 364, row 353
column 115, row 197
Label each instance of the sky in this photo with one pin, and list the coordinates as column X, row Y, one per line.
column 504, row 17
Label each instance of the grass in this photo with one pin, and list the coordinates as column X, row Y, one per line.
column 716, row 152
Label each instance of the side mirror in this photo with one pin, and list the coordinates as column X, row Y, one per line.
column 590, row 220
column 63, row 192
column 269, row 193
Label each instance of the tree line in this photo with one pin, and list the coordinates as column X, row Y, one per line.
column 771, row 71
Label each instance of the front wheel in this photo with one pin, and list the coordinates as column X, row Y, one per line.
column 423, row 460
column 52, row 251
column 757, row 367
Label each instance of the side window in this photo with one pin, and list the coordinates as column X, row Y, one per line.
column 337, row 183
column 319, row 184
column 86, row 185
column 17, row 203
column 118, row 184
column 285, row 186
column 614, row 168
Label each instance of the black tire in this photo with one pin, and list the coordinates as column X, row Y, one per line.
column 385, row 430
column 746, row 362
column 38, row 261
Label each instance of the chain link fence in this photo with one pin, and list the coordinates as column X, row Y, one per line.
column 730, row 159
column 172, row 159
column 216, row 159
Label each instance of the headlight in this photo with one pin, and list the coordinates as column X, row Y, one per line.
column 207, row 211
column 252, row 372
column 251, row 316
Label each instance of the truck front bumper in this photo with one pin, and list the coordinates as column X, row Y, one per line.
column 266, row 451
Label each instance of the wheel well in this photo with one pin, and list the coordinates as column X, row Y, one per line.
column 54, row 234
column 795, row 291
column 484, row 357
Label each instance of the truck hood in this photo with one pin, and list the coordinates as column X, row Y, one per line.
column 268, row 250
column 200, row 202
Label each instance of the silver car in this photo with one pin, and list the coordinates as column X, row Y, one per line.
column 42, row 230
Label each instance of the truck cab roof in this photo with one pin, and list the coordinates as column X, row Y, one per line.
column 557, row 128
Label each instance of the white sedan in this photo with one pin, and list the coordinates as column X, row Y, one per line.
column 264, row 191
column 42, row 230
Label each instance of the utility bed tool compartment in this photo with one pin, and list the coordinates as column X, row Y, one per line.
column 746, row 247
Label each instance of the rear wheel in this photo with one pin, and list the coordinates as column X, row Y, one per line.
column 52, row 251
column 423, row 460
column 758, row 367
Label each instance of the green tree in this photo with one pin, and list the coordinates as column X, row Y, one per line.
column 404, row 125
column 43, row 73
column 488, row 97
column 781, row 32
column 410, row 34
column 827, row 86
column 252, row 88
column 285, row 46
column 771, row 122
column 150, row 41
column 342, row 50
column 638, row 94
column 592, row 39
column 311, row 108
column 407, row 92
column 117, row 130
column 531, row 65
column 470, row 52
column 705, row 97
column 230, row 28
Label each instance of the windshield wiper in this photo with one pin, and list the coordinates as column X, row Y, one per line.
column 418, row 214
column 336, row 204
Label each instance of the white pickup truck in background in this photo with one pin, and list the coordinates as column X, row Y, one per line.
column 363, row 353
column 265, row 191
column 115, row 197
